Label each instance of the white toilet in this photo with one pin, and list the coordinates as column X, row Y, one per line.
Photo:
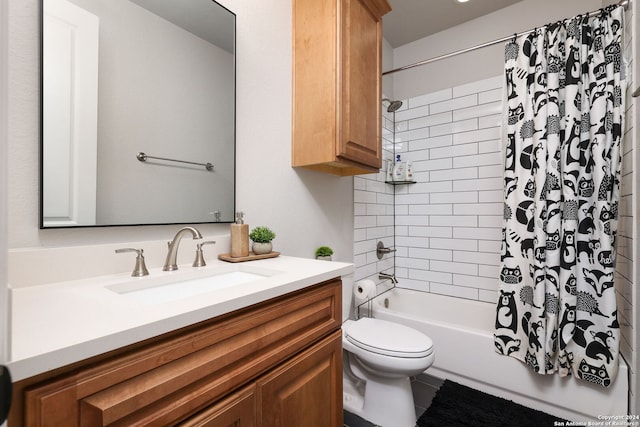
column 379, row 358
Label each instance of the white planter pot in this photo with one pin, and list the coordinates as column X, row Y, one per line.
column 261, row 248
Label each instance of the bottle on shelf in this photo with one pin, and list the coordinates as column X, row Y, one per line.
column 408, row 171
column 398, row 170
column 389, row 170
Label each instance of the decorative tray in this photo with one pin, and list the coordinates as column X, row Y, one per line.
column 250, row 257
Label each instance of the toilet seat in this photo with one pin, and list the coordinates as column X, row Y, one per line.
column 388, row 338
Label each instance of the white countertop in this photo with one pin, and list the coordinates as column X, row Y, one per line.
column 56, row 324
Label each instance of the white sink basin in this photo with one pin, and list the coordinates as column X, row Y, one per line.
column 171, row 287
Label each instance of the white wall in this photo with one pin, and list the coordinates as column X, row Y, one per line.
column 387, row 64
column 306, row 209
column 479, row 64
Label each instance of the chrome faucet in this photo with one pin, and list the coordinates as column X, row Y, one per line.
column 170, row 263
column 385, row 276
column 381, row 250
column 140, row 269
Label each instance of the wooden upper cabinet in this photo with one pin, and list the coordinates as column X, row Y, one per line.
column 337, row 85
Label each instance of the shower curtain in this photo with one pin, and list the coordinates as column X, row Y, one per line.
column 565, row 96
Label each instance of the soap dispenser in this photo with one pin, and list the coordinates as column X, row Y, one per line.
column 239, row 237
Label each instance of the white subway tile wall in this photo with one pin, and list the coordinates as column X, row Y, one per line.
column 449, row 222
column 447, row 225
column 374, row 214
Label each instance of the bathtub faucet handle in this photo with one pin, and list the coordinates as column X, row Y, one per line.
column 381, row 250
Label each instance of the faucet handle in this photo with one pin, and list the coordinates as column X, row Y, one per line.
column 381, row 250
column 199, row 261
column 140, row 269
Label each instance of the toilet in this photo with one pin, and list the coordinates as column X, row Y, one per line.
column 379, row 359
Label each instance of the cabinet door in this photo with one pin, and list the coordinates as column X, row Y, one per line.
column 361, row 84
column 307, row 390
column 238, row 410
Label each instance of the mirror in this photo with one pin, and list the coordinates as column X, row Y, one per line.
column 137, row 97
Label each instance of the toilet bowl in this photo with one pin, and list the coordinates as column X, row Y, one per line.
column 379, row 358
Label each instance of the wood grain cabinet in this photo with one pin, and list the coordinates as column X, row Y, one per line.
column 337, row 80
column 307, row 391
column 237, row 410
column 278, row 363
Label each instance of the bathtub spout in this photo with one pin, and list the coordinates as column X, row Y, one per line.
column 392, row 277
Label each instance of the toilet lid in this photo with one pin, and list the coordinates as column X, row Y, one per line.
column 388, row 338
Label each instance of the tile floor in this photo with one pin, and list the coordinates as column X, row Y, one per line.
column 424, row 388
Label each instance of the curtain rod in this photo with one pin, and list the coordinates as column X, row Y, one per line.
column 623, row 3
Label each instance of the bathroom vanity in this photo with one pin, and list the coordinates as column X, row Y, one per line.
column 264, row 353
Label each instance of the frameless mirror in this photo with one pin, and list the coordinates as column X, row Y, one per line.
column 138, row 112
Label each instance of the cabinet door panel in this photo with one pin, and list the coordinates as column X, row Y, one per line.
column 361, row 90
column 315, row 60
column 238, row 410
column 307, row 390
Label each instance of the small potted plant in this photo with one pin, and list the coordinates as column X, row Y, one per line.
column 261, row 237
column 324, row 252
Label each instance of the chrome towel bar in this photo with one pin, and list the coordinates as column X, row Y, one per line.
column 143, row 158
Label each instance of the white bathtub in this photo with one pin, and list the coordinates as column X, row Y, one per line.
column 462, row 332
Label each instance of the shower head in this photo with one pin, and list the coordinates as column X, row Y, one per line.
column 393, row 105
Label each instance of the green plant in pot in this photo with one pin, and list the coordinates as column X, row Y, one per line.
column 261, row 237
column 324, row 252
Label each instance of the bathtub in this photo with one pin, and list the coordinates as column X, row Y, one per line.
column 462, row 332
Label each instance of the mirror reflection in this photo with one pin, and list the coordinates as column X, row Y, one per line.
column 123, row 77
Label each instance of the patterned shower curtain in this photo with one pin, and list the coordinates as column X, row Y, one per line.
column 565, row 96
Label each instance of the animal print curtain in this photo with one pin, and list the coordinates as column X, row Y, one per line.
column 565, row 96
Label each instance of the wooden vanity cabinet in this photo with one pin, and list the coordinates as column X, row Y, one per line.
column 303, row 391
column 337, row 85
column 277, row 363
column 238, row 409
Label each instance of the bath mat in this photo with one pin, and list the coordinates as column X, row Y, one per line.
column 458, row 405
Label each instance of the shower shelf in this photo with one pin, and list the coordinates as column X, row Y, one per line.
column 399, row 182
